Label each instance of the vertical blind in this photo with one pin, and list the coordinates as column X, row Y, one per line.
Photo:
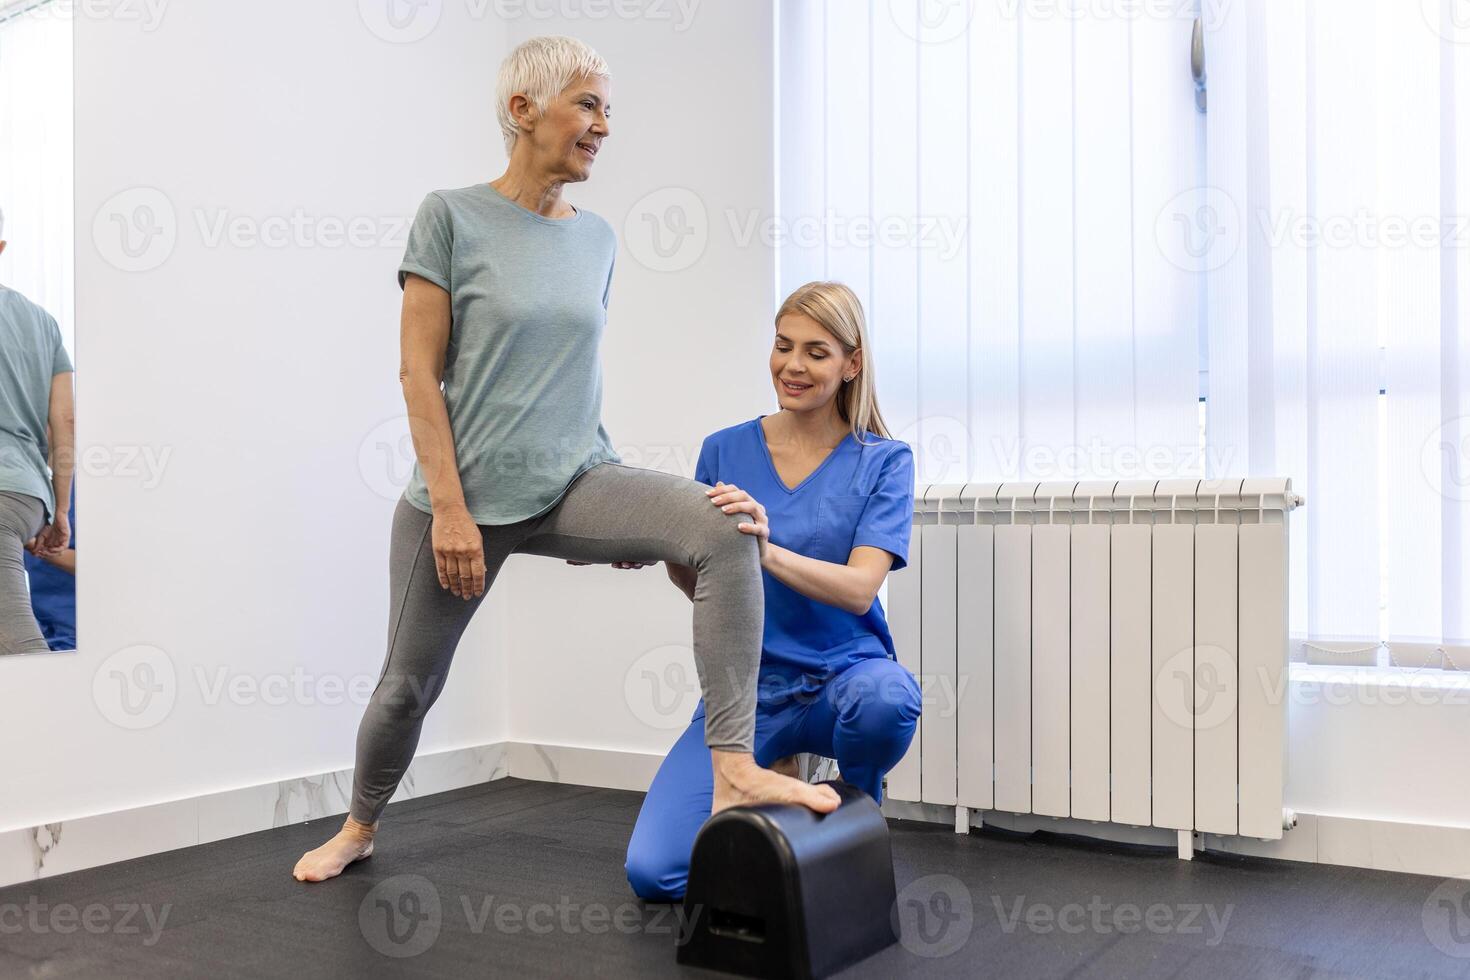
column 1066, row 265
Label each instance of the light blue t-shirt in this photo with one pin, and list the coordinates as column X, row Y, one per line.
column 31, row 353
column 859, row 495
column 523, row 369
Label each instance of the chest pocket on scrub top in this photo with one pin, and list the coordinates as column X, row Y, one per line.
column 837, row 518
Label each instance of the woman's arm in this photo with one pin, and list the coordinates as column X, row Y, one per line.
column 851, row 587
column 459, row 553
column 61, row 438
column 423, row 340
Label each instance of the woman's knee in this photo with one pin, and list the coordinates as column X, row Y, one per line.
column 717, row 536
column 655, row 875
column 878, row 698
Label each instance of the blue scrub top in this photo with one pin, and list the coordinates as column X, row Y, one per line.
column 54, row 592
column 859, row 495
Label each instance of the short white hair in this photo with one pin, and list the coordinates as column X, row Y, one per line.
column 541, row 68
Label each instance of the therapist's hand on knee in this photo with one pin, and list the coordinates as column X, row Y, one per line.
column 732, row 500
column 459, row 552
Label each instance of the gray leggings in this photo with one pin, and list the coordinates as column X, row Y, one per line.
column 21, row 518
column 610, row 513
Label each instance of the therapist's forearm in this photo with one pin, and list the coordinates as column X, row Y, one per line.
column 836, row 585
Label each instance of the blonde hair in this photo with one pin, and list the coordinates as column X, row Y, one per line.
column 540, row 68
column 838, row 310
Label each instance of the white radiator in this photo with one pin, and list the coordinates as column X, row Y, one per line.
column 1110, row 651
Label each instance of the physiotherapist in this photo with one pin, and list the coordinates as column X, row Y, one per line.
column 830, row 496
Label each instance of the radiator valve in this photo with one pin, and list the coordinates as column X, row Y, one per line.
column 1288, row 818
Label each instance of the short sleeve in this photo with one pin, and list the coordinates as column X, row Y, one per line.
column 60, row 360
column 704, row 468
column 888, row 517
column 430, row 242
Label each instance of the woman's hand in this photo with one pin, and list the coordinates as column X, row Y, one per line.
column 52, row 540
column 732, row 500
column 459, row 552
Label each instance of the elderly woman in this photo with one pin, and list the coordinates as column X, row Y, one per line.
column 35, row 425
column 505, row 291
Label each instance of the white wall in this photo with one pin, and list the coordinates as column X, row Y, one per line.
column 258, row 376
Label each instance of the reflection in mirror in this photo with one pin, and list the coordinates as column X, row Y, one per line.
column 38, row 557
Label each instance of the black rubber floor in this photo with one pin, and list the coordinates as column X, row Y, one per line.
column 518, row 878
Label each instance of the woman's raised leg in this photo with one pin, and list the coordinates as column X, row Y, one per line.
column 613, row 513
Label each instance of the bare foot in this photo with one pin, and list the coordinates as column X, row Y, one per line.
column 788, row 766
column 738, row 780
column 352, row 843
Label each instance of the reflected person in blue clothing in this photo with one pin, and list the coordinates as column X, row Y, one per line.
column 53, row 582
column 831, row 498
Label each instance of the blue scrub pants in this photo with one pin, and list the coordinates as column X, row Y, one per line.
column 864, row 717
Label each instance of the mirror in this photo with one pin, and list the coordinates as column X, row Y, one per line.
column 38, row 557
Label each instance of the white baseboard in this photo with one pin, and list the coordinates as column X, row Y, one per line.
column 71, row 845
column 1382, row 845
column 55, row 848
